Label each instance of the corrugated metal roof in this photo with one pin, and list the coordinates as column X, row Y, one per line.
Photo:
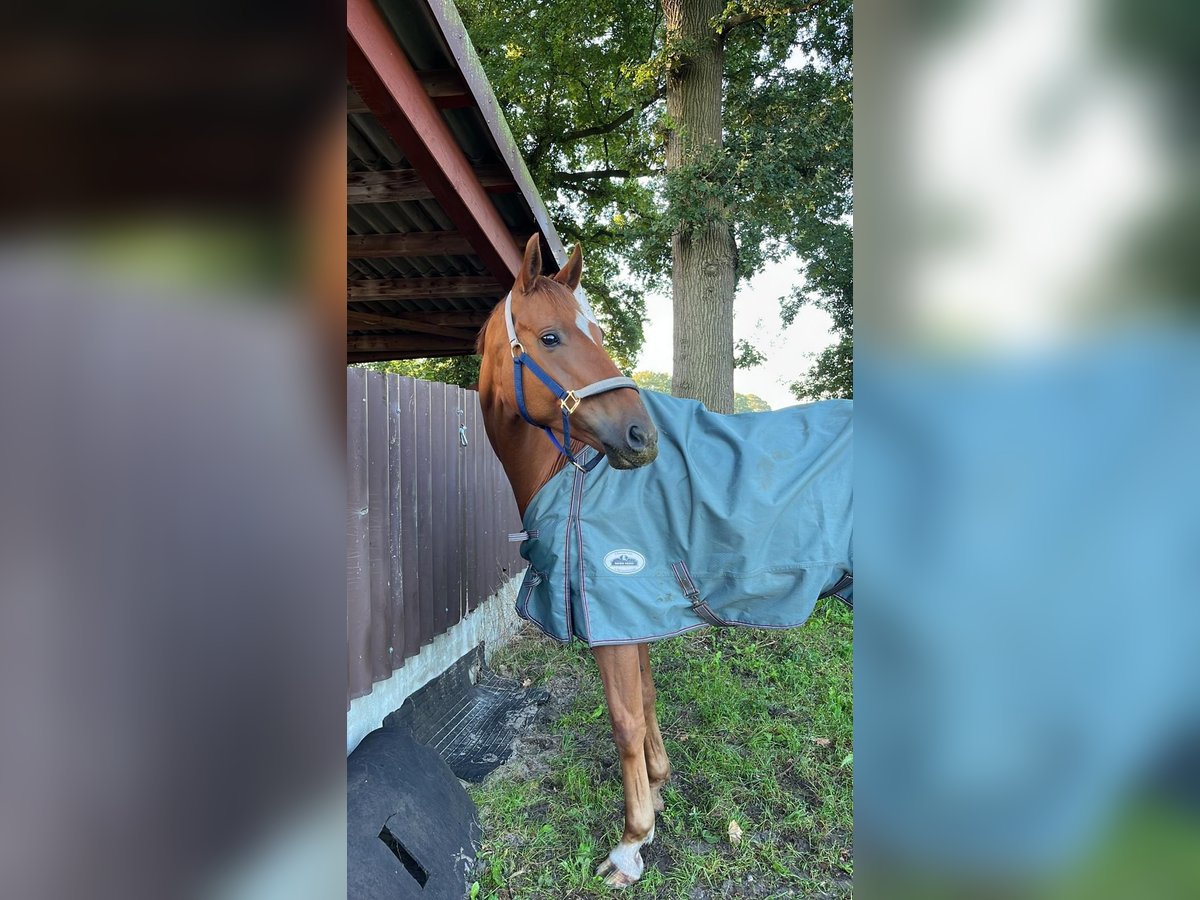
column 432, row 36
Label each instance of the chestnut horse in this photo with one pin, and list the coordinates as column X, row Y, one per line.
column 607, row 414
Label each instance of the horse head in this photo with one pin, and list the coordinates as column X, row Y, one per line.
column 544, row 359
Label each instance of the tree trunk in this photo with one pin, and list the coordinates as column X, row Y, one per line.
column 702, row 275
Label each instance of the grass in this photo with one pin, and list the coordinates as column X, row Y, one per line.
column 758, row 726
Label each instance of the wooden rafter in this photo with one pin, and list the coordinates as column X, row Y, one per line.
column 395, row 185
column 465, row 319
column 363, row 321
column 385, row 355
column 415, row 243
column 422, row 288
column 426, row 345
column 446, row 87
column 472, row 319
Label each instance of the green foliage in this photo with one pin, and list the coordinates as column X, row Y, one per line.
column 661, row 382
column 460, row 370
column 747, row 356
column 750, row 403
column 582, row 86
column 831, row 376
column 653, row 381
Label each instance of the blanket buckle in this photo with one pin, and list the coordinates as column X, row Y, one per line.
column 699, row 606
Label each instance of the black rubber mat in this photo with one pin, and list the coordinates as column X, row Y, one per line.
column 478, row 734
column 472, row 727
column 411, row 828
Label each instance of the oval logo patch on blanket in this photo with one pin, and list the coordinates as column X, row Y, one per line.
column 741, row 520
column 625, row 562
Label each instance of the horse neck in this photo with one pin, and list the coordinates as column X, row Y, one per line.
column 528, row 457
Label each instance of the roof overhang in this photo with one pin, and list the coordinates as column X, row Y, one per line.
column 440, row 201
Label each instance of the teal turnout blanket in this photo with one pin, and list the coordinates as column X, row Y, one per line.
column 742, row 520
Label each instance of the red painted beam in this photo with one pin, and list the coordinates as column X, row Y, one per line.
column 381, row 73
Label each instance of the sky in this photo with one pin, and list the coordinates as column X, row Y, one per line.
column 756, row 319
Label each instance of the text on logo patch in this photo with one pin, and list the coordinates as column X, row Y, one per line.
column 624, row 562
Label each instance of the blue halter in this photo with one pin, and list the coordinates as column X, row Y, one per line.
column 568, row 401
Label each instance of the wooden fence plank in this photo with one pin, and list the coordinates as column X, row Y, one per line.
column 425, row 504
column 452, row 563
column 437, row 451
column 453, row 519
column 459, row 502
column 358, row 584
column 465, row 456
column 409, row 554
column 396, row 530
column 483, row 525
column 378, row 527
column 470, row 499
column 493, row 520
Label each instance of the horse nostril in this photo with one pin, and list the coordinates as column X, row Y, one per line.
column 636, row 438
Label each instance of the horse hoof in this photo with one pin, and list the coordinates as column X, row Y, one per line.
column 613, row 875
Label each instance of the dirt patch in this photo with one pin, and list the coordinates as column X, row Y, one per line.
column 535, row 745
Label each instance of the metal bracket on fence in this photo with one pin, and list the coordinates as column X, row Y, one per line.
column 462, row 429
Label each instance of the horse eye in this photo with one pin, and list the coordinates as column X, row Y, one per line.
column 550, row 339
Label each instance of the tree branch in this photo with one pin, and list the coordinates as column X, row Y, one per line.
column 539, row 148
column 591, row 175
column 728, row 25
column 611, row 126
column 569, row 230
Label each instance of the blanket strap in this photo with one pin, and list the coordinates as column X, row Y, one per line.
column 836, row 591
column 699, row 606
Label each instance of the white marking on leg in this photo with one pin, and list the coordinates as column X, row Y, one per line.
column 626, row 858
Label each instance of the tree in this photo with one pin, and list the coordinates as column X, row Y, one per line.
column 832, row 375
column 829, row 266
column 460, row 370
column 661, row 382
column 703, row 254
column 750, row 403
column 695, row 140
column 653, row 381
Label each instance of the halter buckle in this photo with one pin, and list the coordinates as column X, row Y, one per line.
column 569, row 403
column 517, row 350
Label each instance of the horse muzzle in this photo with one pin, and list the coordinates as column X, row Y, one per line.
column 639, row 447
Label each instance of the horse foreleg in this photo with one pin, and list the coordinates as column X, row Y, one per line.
column 658, row 767
column 620, row 670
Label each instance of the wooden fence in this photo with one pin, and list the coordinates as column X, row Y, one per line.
column 427, row 518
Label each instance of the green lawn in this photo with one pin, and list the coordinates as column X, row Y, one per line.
column 758, row 725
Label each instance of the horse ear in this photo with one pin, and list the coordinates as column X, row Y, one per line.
column 569, row 274
column 531, row 265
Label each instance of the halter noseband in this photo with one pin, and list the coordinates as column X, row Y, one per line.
column 568, row 401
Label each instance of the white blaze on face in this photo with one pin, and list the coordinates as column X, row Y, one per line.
column 584, row 326
column 585, row 318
